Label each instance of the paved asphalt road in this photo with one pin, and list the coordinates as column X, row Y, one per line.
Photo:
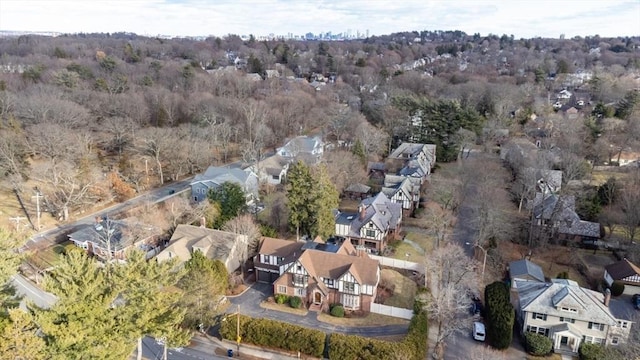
column 250, row 301
column 31, row 292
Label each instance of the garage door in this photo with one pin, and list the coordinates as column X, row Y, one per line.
column 264, row 276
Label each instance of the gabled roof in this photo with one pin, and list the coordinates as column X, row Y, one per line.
column 622, row 269
column 411, row 150
column 215, row 244
column 320, row 264
column 551, row 206
column 303, row 144
column 383, row 212
column 358, row 188
column 379, row 166
column 280, row 248
column 551, row 177
column 548, row 298
column 120, row 233
column 525, row 267
column 218, row 175
column 579, row 228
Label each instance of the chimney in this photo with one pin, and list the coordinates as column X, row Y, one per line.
column 363, row 211
column 203, row 222
column 607, row 297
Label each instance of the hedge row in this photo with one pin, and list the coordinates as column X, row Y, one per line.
column 353, row 347
column 538, row 345
column 589, row 351
column 500, row 315
column 275, row 334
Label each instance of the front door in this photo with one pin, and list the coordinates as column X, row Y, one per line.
column 564, row 341
column 317, row 298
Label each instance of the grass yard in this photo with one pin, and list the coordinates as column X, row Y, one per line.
column 426, row 242
column 402, row 249
column 370, row 320
column 404, row 291
column 48, row 257
column 283, row 307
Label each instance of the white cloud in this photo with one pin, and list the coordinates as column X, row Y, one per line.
column 199, row 17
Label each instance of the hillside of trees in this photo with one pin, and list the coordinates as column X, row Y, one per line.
column 94, row 118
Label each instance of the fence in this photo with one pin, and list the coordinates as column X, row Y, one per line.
column 401, row 264
column 391, row 311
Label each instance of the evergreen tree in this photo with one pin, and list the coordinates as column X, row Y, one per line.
column 358, row 150
column 299, row 196
column 203, row 285
column 9, row 262
column 231, row 200
column 325, row 200
column 19, row 338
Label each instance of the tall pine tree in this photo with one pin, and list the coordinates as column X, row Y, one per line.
column 325, row 200
column 299, row 198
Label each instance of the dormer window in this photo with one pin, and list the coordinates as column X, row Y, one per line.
column 563, row 308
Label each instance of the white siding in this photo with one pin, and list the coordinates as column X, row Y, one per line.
column 379, row 235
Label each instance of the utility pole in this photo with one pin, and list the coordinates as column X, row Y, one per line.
column 238, row 338
column 17, row 219
column 38, row 195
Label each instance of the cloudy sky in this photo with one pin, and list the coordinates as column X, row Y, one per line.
column 262, row 17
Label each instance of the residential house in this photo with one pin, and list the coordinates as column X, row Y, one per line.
column 308, row 149
column 564, row 94
column 322, row 278
column 628, row 158
column 272, row 170
column 115, row 236
column 569, row 314
column 417, row 159
column 401, row 190
column 378, row 219
column 525, row 270
column 556, row 214
column 357, row 191
column 274, row 257
column 626, row 272
column 547, row 181
column 519, row 152
column 376, row 170
column 215, row 176
column 228, row 247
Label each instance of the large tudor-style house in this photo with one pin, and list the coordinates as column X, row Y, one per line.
column 570, row 314
column 320, row 273
column 378, row 220
column 416, row 159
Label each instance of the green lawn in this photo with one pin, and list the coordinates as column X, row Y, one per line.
column 426, row 242
column 404, row 292
column 401, row 251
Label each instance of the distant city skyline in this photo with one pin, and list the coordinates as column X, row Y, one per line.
column 523, row 19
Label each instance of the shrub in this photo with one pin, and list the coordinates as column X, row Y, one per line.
column 295, row 302
column 275, row 334
column 591, row 352
column 337, row 310
column 281, row 298
column 500, row 315
column 538, row 345
column 617, row 288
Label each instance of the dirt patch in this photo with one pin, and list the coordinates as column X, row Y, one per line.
column 237, row 290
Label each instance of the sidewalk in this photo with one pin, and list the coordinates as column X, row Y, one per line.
column 246, row 351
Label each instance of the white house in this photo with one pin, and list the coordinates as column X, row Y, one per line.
column 272, row 170
column 215, row 176
column 308, row 149
column 570, row 314
column 564, row 94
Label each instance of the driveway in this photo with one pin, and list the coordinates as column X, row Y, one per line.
column 250, row 300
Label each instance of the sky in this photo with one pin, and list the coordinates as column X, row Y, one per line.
column 523, row 19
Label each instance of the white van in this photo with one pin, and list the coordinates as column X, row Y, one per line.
column 478, row 331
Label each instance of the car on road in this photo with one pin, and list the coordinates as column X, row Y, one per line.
column 635, row 299
column 478, row 331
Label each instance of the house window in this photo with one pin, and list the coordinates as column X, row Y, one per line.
column 351, row 301
column 566, row 319
column 298, row 267
column 599, row 341
column 596, row 326
column 82, row 245
column 266, row 259
column 349, row 287
column 370, row 233
column 275, row 177
column 298, row 280
column 300, row 291
column 615, row 340
column 623, row 324
column 540, row 316
column 538, row 330
column 282, row 289
column 329, row 282
column 568, row 309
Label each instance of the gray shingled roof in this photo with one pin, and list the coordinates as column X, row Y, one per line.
column 546, row 298
column 552, row 177
column 379, row 209
column 525, row 267
column 358, row 188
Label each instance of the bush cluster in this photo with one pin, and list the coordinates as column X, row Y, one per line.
column 295, row 302
column 281, row 298
column 538, row 345
column 275, row 334
column 353, row 347
column 500, row 315
column 591, row 352
column 337, row 310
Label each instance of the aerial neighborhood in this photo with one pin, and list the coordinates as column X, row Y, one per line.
column 425, row 194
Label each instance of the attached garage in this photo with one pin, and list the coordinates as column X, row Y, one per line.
column 267, row 276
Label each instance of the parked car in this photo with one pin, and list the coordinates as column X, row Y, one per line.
column 478, row 331
column 476, row 306
column 636, row 301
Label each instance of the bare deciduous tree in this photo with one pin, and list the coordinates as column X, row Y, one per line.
column 245, row 225
column 450, row 276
